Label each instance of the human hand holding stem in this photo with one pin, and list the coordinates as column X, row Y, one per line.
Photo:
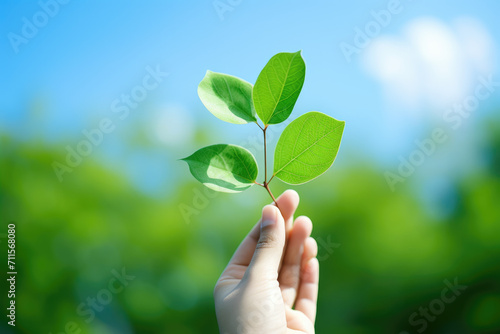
column 270, row 285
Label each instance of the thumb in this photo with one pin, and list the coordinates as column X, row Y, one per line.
column 266, row 259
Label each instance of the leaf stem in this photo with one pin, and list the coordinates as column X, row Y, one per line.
column 266, row 185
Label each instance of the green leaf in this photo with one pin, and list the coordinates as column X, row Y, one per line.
column 307, row 147
column 278, row 87
column 226, row 168
column 227, row 98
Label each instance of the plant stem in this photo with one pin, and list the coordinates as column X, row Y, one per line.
column 266, row 183
column 265, row 155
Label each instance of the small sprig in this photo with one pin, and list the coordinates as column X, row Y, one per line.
column 306, row 148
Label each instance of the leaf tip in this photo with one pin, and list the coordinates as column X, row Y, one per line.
column 207, row 75
column 299, row 53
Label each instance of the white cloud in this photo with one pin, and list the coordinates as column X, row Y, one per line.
column 431, row 65
column 477, row 44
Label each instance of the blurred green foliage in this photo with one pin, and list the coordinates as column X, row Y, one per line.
column 382, row 255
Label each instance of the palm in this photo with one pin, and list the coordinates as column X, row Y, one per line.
column 284, row 302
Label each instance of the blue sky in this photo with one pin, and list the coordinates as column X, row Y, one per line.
column 89, row 53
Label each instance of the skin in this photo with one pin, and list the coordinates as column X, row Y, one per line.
column 271, row 283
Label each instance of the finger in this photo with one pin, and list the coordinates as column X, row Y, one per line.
column 269, row 248
column 297, row 322
column 310, row 250
column 308, row 289
column 289, row 277
column 287, row 202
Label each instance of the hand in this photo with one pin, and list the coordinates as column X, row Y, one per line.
column 270, row 285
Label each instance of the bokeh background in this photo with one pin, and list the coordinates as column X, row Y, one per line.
column 395, row 71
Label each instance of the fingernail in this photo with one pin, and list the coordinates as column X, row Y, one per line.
column 266, row 223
